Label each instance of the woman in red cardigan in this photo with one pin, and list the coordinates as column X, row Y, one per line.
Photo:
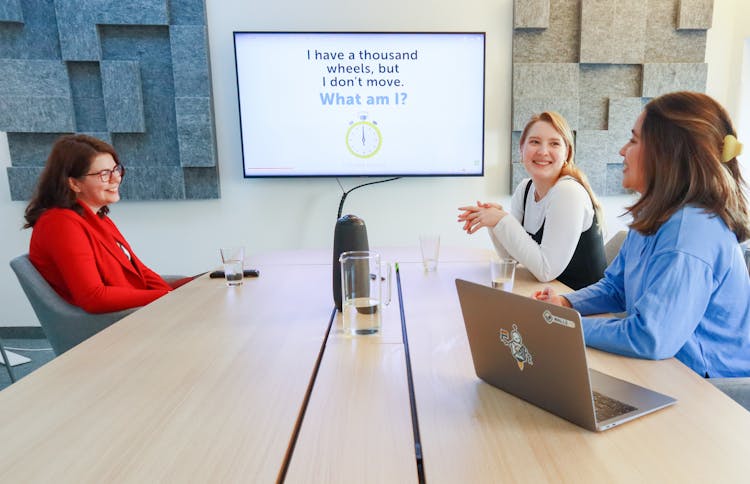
column 74, row 244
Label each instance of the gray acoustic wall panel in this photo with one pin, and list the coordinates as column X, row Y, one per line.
column 10, row 11
column 34, row 37
column 544, row 86
column 695, row 14
column 625, row 52
column 123, row 98
column 665, row 77
column 531, row 14
column 613, row 31
column 600, row 83
column 555, row 41
column 132, row 72
column 664, row 43
column 35, row 96
column 22, row 180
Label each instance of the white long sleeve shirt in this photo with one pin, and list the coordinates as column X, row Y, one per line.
column 566, row 212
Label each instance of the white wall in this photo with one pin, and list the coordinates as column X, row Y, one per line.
column 183, row 237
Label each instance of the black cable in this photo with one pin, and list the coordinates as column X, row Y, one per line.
column 343, row 197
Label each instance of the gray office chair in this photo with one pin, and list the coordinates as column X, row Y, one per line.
column 6, row 362
column 612, row 247
column 738, row 389
column 64, row 325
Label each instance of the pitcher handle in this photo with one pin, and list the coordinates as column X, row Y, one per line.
column 388, row 279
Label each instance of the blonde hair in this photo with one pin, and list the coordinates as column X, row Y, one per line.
column 683, row 135
column 569, row 167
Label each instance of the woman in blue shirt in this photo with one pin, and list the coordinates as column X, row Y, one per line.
column 680, row 275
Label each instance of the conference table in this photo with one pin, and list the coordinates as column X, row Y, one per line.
column 259, row 383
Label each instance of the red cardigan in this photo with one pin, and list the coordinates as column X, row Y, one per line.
column 79, row 257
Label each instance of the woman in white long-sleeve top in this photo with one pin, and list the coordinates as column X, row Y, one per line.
column 680, row 275
column 554, row 228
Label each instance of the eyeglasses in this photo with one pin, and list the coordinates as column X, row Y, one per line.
column 106, row 175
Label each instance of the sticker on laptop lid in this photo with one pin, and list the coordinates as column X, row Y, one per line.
column 551, row 318
column 514, row 341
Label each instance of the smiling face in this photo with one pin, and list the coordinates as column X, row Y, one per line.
column 633, row 177
column 91, row 190
column 544, row 152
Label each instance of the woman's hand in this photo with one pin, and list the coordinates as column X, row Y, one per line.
column 481, row 215
column 549, row 295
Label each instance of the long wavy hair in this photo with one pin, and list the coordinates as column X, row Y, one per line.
column 681, row 158
column 569, row 167
column 71, row 157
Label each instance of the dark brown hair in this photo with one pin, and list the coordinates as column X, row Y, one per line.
column 71, row 157
column 683, row 136
column 569, row 167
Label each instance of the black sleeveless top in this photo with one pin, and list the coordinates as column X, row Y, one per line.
column 588, row 262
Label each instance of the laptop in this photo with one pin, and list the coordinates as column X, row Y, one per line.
column 535, row 351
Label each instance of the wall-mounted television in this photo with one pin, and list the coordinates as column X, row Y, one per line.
column 361, row 103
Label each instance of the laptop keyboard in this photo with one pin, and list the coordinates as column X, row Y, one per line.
column 607, row 408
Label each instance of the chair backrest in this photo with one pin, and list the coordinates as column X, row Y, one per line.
column 64, row 325
column 612, row 247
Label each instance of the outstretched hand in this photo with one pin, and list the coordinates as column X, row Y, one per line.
column 549, row 295
column 480, row 215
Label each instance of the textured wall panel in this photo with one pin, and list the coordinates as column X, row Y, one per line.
column 664, row 43
column 35, row 38
column 614, row 180
column 543, row 87
column 23, row 181
column 201, row 183
column 537, row 80
column 622, row 113
column 599, row 83
column 593, row 150
column 554, row 42
column 26, row 114
column 88, row 101
column 112, row 69
column 189, row 60
column 186, row 12
column 123, row 98
column 35, row 96
column 153, row 183
column 30, row 149
column 195, row 132
column 10, row 11
column 525, row 108
column 695, row 14
column 629, row 52
column 531, row 14
column 77, row 30
column 33, row 78
column 661, row 78
column 612, row 32
column 132, row 12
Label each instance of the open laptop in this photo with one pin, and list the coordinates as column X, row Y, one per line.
column 535, row 351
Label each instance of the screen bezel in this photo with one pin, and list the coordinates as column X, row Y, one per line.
column 479, row 173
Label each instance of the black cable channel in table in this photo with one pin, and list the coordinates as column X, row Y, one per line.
column 305, row 401
column 410, row 381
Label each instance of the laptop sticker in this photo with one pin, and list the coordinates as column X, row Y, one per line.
column 515, row 342
column 551, row 318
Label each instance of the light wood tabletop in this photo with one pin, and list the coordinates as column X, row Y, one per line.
column 473, row 432
column 211, row 383
column 203, row 385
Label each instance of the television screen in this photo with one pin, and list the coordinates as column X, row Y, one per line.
column 361, row 104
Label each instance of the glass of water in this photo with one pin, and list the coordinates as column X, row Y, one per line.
column 233, row 259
